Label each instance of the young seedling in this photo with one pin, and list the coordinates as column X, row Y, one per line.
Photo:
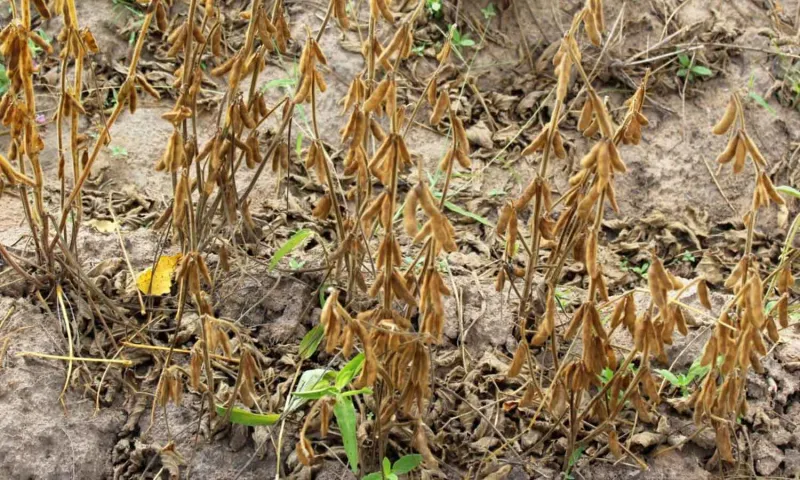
column 690, row 70
column 684, row 380
column 332, row 393
column 434, row 8
column 392, row 471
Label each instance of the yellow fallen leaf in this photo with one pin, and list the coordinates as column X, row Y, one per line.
column 162, row 280
column 103, row 226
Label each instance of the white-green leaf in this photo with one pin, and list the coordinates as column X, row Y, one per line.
column 349, row 371
column 294, row 241
column 345, row 414
column 407, row 463
column 373, row 476
column 308, row 381
column 246, row 417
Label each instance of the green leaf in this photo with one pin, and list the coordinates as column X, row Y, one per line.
column 576, row 455
column 761, row 102
column 696, row 371
column 360, row 391
column 279, row 82
column 406, row 463
column 701, row 70
column 788, row 191
column 4, row 80
column 373, row 476
column 682, row 72
column 456, row 209
column 294, row 241
column 683, row 59
column 391, row 476
column 316, row 393
column 387, row 466
column 242, row 416
column 308, row 381
column 349, row 371
column 466, row 42
column 310, row 342
column 671, row 378
column 345, row 414
column 606, row 375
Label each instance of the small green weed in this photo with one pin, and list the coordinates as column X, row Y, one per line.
column 459, row 40
column 434, row 8
column 391, row 471
column 117, row 151
column 295, row 264
column 641, row 270
column 690, row 70
column 683, row 381
column 319, row 383
column 489, row 12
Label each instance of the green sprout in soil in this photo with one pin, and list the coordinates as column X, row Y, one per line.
column 690, row 70
column 392, row 471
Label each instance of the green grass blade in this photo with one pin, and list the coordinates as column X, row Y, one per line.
column 310, row 342
column 456, row 209
column 294, row 241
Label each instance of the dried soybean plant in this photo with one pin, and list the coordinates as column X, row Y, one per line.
column 18, row 111
column 395, row 334
column 207, row 200
column 575, row 393
column 737, row 342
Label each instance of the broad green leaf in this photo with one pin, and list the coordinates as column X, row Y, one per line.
column 246, row 417
column 467, row 42
column 308, row 381
column 387, row 466
column 407, row 463
column 310, row 342
column 373, row 476
column 294, row 241
column 671, row 378
column 701, row 70
column 683, row 59
column 345, row 414
column 391, row 476
column 349, row 371
column 788, row 190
